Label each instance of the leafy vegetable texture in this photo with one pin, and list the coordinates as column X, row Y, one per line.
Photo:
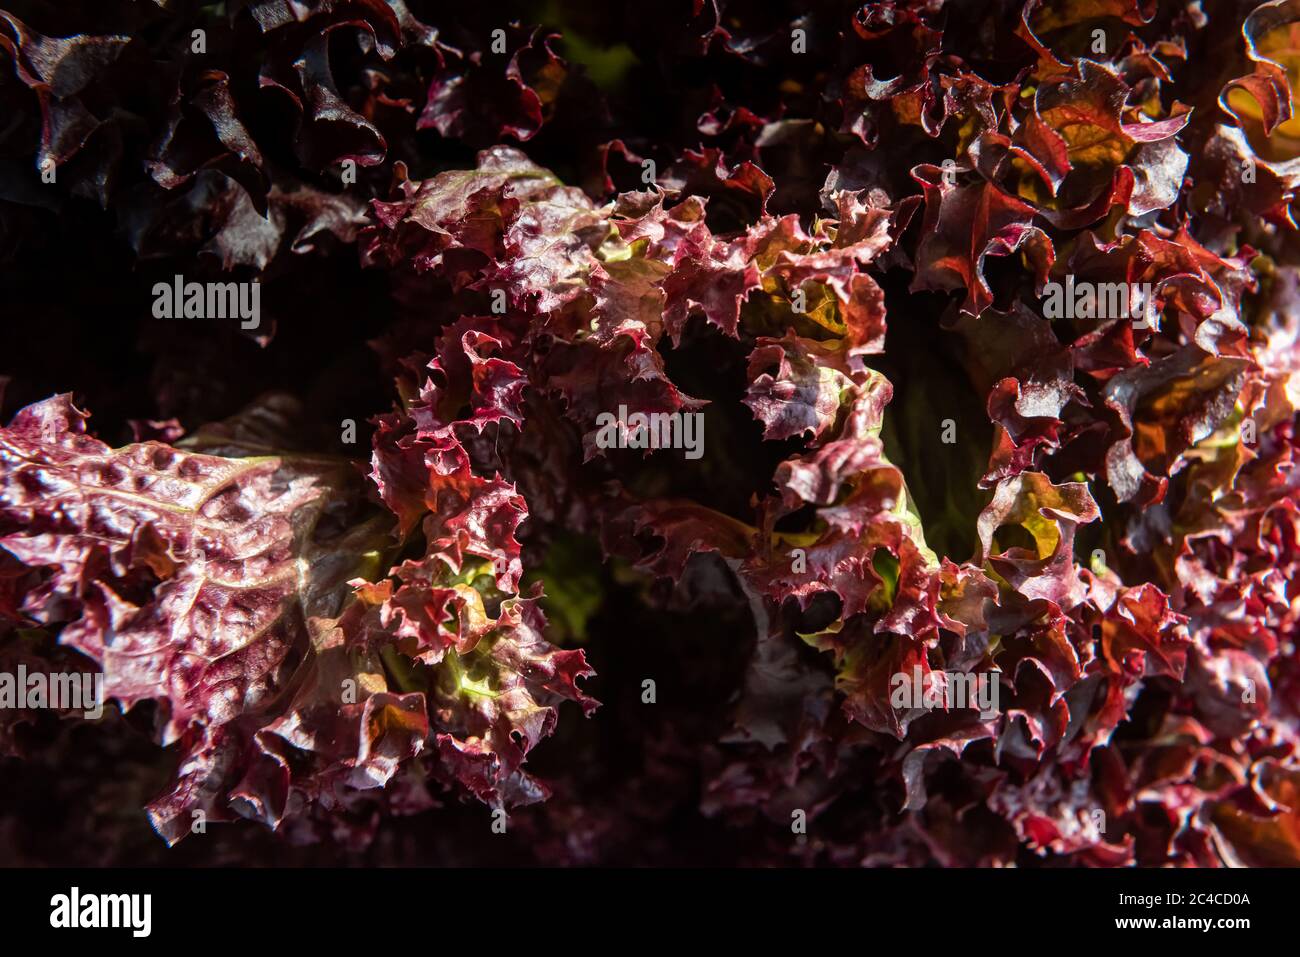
column 778, row 433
